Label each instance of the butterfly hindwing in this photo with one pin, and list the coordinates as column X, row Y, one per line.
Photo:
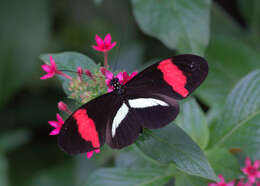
column 153, row 111
column 124, row 129
column 137, row 112
column 85, row 129
column 176, row 77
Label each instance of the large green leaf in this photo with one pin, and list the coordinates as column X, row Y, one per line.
column 179, row 24
column 68, row 62
column 223, row 162
column 120, row 176
column 220, row 17
column 182, row 179
column 229, row 59
column 238, row 126
column 251, row 11
column 192, row 120
column 247, row 138
column 136, row 159
column 172, row 145
column 23, row 35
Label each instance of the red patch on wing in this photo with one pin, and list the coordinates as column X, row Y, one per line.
column 86, row 127
column 174, row 77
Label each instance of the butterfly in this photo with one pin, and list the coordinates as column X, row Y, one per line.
column 148, row 100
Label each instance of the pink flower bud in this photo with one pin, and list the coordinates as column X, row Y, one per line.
column 89, row 74
column 63, row 107
column 80, row 72
column 103, row 70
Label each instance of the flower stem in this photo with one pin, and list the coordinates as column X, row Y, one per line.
column 64, row 75
column 105, row 59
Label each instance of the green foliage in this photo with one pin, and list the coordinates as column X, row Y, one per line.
column 3, row 170
column 17, row 52
column 193, row 121
column 120, row 176
column 229, row 60
column 181, row 24
column 175, row 146
column 68, row 62
column 14, row 139
column 240, row 118
column 191, row 151
column 223, row 162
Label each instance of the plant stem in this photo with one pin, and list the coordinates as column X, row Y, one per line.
column 105, row 59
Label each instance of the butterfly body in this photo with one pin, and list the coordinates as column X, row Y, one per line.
column 148, row 100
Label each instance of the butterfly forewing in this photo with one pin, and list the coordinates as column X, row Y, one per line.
column 176, row 77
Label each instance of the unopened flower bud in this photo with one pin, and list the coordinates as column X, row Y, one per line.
column 63, row 107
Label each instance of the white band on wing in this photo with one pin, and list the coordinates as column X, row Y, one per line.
column 145, row 102
column 120, row 115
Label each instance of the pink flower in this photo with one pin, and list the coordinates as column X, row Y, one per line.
column 104, row 45
column 52, row 70
column 241, row 183
column 63, row 107
column 126, row 77
column 56, row 124
column 122, row 77
column 90, row 154
column 251, row 170
column 222, row 182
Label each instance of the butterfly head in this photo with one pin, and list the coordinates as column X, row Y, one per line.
column 117, row 86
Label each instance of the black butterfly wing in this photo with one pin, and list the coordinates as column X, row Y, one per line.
column 85, row 129
column 138, row 112
column 175, row 77
column 123, row 131
column 150, row 98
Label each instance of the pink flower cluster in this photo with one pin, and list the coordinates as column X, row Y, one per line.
column 250, row 170
column 123, row 77
column 51, row 69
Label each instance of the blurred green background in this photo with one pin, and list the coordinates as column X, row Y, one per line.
column 28, row 155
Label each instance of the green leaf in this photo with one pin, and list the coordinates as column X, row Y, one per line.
column 220, row 17
column 192, row 120
column 68, row 62
column 3, row 170
column 223, row 162
column 136, row 159
column 247, row 138
column 237, row 127
column 251, row 12
column 229, row 59
column 129, row 58
column 182, row 179
column 23, row 35
column 120, row 176
column 172, row 145
column 13, row 139
column 179, row 24
column 59, row 175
